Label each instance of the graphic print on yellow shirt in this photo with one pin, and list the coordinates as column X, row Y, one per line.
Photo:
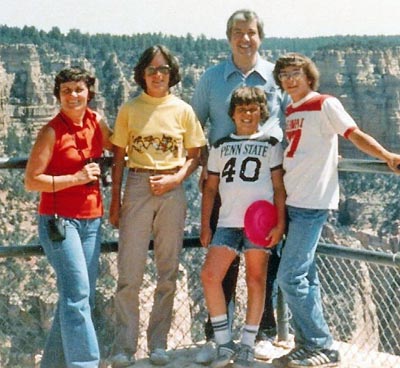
column 164, row 144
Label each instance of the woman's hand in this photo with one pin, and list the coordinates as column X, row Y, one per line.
column 90, row 172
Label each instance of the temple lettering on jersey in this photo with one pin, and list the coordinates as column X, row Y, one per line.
column 294, row 124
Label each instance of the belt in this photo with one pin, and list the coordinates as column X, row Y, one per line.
column 155, row 171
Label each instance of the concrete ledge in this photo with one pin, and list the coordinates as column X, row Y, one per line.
column 184, row 358
column 352, row 357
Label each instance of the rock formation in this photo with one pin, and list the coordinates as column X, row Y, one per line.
column 26, row 95
column 367, row 82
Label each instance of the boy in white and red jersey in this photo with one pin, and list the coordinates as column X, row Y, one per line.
column 313, row 123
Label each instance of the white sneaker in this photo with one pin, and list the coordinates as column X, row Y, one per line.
column 206, row 354
column 263, row 350
column 159, row 357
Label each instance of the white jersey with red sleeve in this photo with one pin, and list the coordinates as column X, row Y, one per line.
column 243, row 164
column 311, row 157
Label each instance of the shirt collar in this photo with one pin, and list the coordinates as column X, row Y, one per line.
column 231, row 68
column 89, row 114
column 309, row 95
column 256, row 135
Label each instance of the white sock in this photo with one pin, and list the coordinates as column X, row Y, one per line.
column 249, row 334
column 221, row 329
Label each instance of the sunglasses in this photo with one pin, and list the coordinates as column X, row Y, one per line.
column 152, row 70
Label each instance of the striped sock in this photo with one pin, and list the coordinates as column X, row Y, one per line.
column 249, row 334
column 221, row 329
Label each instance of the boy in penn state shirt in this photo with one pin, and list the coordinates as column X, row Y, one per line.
column 244, row 167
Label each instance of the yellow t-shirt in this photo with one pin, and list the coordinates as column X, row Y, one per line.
column 157, row 131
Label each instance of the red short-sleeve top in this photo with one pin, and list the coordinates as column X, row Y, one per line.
column 74, row 145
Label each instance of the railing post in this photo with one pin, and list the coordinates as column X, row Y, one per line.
column 282, row 314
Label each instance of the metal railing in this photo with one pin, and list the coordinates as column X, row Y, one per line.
column 360, row 290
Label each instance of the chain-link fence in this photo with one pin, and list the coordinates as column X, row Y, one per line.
column 361, row 297
column 362, row 306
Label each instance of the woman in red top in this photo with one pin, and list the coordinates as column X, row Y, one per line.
column 63, row 168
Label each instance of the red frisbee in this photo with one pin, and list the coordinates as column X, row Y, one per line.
column 260, row 218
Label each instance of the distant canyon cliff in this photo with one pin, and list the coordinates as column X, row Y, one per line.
column 366, row 81
column 368, row 84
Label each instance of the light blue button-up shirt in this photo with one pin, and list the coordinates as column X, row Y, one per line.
column 213, row 92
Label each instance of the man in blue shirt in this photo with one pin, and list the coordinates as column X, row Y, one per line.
column 244, row 67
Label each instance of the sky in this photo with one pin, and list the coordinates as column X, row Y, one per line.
column 282, row 18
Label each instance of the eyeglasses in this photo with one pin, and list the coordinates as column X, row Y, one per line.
column 296, row 74
column 152, row 70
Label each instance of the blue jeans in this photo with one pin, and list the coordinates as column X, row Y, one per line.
column 72, row 340
column 234, row 238
column 298, row 278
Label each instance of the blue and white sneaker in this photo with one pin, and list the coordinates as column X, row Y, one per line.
column 244, row 357
column 284, row 360
column 206, row 354
column 225, row 354
column 322, row 358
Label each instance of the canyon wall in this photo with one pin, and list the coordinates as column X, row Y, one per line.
column 367, row 82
